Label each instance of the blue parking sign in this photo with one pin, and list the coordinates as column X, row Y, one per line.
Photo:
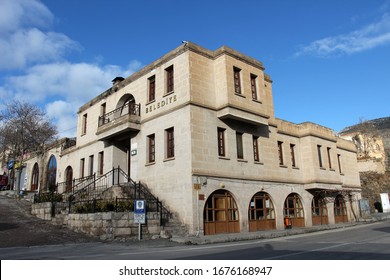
column 139, row 211
column 139, row 206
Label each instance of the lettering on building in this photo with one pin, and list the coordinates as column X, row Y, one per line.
column 156, row 106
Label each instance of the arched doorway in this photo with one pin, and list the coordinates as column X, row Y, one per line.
column 293, row 209
column 261, row 212
column 35, row 177
column 68, row 179
column 319, row 212
column 127, row 105
column 51, row 173
column 220, row 214
column 340, row 210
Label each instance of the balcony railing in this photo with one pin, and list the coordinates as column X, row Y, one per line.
column 125, row 110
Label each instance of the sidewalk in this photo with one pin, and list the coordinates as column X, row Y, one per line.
column 24, row 206
column 230, row 237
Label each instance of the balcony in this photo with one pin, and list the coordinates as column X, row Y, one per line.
column 238, row 114
column 119, row 122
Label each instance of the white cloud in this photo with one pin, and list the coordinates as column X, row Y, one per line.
column 17, row 14
column 63, row 114
column 24, row 39
column 64, row 87
column 45, row 77
column 28, row 46
column 368, row 37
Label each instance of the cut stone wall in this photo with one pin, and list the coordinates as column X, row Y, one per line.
column 105, row 225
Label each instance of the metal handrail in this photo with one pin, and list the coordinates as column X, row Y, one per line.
column 92, row 190
column 75, row 183
column 126, row 109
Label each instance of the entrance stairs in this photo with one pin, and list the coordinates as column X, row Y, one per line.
column 116, row 186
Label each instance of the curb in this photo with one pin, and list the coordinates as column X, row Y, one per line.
column 231, row 237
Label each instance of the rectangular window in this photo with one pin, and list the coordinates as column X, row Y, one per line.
column 280, row 153
column 240, row 150
column 152, row 88
column 221, row 142
column 170, row 143
column 255, row 140
column 319, row 156
column 237, row 80
column 84, row 124
column 101, row 163
column 151, row 148
column 82, row 166
column 253, row 86
column 292, row 151
column 170, row 80
column 90, row 167
column 329, row 158
column 339, row 162
column 103, row 108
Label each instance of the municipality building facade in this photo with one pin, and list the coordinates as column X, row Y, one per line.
column 197, row 127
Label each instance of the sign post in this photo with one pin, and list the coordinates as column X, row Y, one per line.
column 139, row 214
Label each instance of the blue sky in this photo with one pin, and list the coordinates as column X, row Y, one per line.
column 329, row 59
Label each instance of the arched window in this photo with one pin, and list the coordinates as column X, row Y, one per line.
column 261, row 212
column 68, row 179
column 319, row 212
column 51, row 173
column 340, row 210
column 35, row 177
column 293, row 209
column 220, row 214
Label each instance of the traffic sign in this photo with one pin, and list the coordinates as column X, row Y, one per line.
column 139, row 211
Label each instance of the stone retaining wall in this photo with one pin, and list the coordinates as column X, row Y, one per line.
column 105, row 225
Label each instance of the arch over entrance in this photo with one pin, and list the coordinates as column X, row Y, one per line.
column 319, row 212
column 293, row 209
column 35, row 177
column 261, row 212
column 68, row 178
column 220, row 214
column 340, row 210
column 51, row 173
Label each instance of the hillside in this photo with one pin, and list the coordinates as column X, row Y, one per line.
column 373, row 183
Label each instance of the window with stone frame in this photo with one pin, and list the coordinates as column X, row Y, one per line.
column 237, row 80
column 254, row 86
column 170, row 142
column 221, row 142
column 151, row 145
column 169, row 79
column 152, row 88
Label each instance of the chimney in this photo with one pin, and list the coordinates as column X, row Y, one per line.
column 117, row 80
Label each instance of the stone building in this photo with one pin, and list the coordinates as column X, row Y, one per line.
column 197, row 127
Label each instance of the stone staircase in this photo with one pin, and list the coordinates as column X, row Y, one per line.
column 173, row 228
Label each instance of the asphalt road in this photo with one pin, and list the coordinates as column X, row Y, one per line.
column 19, row 228
column 363, row 242
column 23, row 236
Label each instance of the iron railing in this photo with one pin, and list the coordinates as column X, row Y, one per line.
column 126, row 109
column 87, row 196
column 76, row 184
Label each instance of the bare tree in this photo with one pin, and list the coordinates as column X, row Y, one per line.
column 24, row 128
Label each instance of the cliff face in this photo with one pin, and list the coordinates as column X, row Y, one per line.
column 372, row 139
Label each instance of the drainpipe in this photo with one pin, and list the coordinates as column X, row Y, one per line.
column 197, row 211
